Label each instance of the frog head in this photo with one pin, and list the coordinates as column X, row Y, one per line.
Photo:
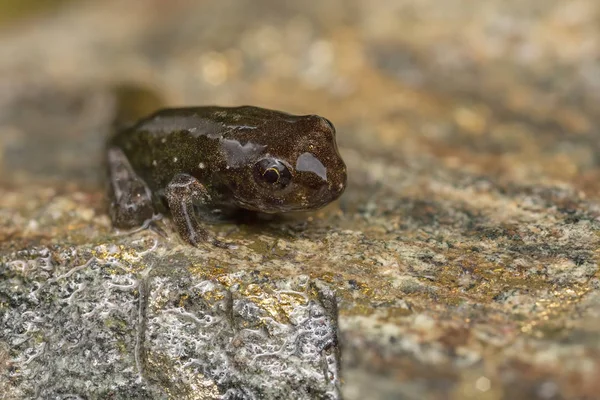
column 290, row 163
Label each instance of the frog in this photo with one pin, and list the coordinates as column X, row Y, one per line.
column 195, row 161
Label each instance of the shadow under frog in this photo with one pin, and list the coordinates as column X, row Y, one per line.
column 221, row 159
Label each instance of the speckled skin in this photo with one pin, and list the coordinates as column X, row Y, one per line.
column 221, row 158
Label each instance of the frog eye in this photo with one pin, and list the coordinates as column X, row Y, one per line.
column 272, row 172
column 271, row 175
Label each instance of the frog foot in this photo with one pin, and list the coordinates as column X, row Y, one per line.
column 130, row 198
column 182, row 192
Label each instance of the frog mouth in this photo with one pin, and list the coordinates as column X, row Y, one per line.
column 295, row 198
column 270, row 207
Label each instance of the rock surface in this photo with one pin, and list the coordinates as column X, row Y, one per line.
column 146, row 325
column 463, row 255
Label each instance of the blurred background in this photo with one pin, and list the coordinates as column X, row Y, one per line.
column 480, row 85
column 464, row 123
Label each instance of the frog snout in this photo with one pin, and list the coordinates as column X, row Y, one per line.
column 338, row 185
column 338, row 188
column 334, row 188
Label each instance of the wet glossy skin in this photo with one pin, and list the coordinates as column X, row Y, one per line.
column 222, row 158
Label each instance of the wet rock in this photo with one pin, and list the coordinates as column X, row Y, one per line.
column 129, row 325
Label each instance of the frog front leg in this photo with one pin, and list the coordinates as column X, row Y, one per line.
column 130, row 197
column 182, row 192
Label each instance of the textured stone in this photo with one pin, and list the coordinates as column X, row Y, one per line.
column 128, row 324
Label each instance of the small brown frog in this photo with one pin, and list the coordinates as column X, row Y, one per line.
column 221, row 158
